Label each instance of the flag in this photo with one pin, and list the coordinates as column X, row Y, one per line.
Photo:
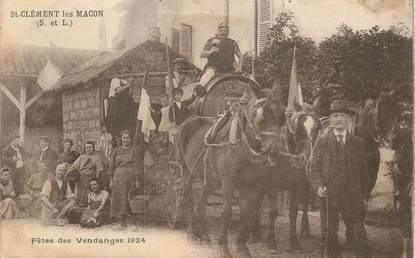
column 295, row 95
column 49, row 76
column 144, row 114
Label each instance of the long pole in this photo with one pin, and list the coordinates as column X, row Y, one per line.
column 169, row 75
column 256, row 50
column 170, row 80
column 23, row 94
column 1, row 131
column 226, row 19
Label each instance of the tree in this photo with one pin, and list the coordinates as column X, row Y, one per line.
column 275, row 60
column 350, row 64
column 361, row 64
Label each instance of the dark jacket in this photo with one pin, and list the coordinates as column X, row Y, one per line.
column 68, row 157
column 57, row 195
column 50, row 157
column 179, row 115
column 324, row 171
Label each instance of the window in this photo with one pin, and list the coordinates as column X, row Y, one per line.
column 186, row 41
column 264, row 22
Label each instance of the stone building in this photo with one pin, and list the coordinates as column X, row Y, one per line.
column 40, row 113
column 85, row 88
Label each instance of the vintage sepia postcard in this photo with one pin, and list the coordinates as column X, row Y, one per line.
column 206, row 128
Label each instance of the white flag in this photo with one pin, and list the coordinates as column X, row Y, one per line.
column 49, row 76
column 144, row 114
column 294, row 94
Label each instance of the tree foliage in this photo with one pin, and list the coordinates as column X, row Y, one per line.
column 275, row 60
column 351, row 64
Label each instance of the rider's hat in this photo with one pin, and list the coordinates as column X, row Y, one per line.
column 341, row 106
column 222, row 25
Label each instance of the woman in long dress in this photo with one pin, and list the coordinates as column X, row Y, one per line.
column 125, row 171
column 97, row 199
column 88, row 166
column 8, row 205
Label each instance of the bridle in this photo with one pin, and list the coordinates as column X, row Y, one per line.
column 258, row 104
column 256, row 156
column 293, row 118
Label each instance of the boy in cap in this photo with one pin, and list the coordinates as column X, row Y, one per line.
column 180, row 109
column 339, row 175
column 220, row 52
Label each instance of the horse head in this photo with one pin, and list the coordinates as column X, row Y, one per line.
column 303, row 123
column 263, row 113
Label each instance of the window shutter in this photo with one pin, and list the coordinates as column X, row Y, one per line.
column 186, row 41
column 264, row 22
column 175, row 39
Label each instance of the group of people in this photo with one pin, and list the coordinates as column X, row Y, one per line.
column 67, row 182
column 220, row 52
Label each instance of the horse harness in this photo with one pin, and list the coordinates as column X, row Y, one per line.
column 230, row 123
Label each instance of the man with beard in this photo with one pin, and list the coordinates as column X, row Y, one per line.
column 339, row 175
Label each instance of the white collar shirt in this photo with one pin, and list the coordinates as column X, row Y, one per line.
column 337, row 133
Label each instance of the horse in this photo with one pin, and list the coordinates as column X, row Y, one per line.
column 237, row 164
column 298, row 134
column 402, row 176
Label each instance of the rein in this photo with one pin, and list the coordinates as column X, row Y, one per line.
column 254, row 155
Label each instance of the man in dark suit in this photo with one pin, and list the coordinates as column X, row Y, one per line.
column 47, row 154
column 339, row 175
column 14, row 157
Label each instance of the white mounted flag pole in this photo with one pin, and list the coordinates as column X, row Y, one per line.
column 295, row 95
column 50, row 74
column 144, row 112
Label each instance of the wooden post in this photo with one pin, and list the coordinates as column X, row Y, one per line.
column 1, row 117
column 226, row 19
column 23, row 95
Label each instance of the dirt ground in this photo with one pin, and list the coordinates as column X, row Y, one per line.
column 26, row 238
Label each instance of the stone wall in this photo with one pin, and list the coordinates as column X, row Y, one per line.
column 81, row 110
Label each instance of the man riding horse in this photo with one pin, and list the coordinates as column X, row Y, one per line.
column 220, row 52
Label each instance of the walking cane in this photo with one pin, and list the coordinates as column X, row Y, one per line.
column 325, row 251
